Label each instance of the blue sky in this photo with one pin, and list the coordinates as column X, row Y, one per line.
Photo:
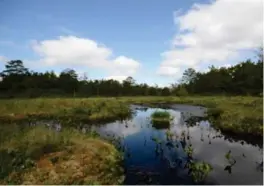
column 153, row 41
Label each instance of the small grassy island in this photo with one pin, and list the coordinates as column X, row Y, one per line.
column 161, row 119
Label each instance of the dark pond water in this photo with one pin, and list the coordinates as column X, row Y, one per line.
column 154, row 157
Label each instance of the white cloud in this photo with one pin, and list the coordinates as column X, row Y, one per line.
column 3, row 59
column 226, row 65
column 168, row 70
column 71, row 51
column 207, row 69
column 126, row 129
column 118, row 78
column 214, row 32
column 125, row 65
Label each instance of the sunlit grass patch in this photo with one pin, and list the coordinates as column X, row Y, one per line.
column 43, row 156
column 87, row 110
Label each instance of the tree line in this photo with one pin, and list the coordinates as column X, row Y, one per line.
column 18, row 81
column 245, row 78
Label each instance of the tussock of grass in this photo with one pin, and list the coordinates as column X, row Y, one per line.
column 161, row 119
column 43, row 156
column 160, row 114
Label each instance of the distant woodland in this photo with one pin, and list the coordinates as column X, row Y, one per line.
column 245, row 78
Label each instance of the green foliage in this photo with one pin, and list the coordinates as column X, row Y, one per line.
column 245, row 78
column 14, row 68
column 189, row 151
column 188, row 76
column 181, row 91
column 199, row 170
column 19, row 82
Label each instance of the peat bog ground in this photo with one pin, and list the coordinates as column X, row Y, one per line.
column 209, row 140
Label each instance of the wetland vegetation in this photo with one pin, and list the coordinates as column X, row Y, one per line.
column 241, row 115
column 93, row 110
column 161, row 119
column 38, row 155
column 25, row 146
column 65, row 129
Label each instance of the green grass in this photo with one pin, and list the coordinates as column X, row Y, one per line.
column 95, row 110
column 161, row 115
column 42, row 156
column 238, row 115
column 160, row 119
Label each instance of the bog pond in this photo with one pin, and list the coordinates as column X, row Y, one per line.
column 189, row 151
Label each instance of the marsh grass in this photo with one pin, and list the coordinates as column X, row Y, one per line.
column 94, row 110
column 214, row 113
column 199, row 170
column 239, row 114
column 43, row 156
column 161, row 119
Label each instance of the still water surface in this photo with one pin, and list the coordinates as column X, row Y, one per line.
column 146, row 162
